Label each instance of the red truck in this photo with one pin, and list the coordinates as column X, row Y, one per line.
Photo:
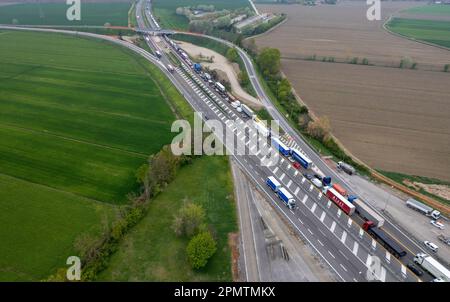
column 340, row 201
column 340, row 189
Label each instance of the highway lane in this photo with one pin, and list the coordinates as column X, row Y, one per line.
column 371, row 243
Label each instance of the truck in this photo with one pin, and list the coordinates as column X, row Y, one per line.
column 184, row 55
column 261, row 128
column 432, row 266
column 422, row 208
column 197, row 67
column 220, row 87
column 346, row 168
column 301, row 158
column 384, row 239
column 444, row 239
column 340, row 189
column 366, row 212
column 170, row 68
column 273, row 183
column 282, row 148
column 326, row 181
column 339, row 200
column 286, row 197
column 158, row 54
column 249, row 112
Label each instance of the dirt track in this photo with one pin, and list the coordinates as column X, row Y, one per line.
column 393, row 119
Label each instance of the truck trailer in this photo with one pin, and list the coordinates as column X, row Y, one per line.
column 384, row 239
column 366, row 212
column 340, row 201
column 220, row 87
column 197, row 67
column 249, row 112
column 282, row 148
column 273, row 183
column 340, row 189
column 286, row 197
column 422, row 208
column 301, row 158
column 432, row 266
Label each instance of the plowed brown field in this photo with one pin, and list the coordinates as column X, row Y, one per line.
column 393, row 119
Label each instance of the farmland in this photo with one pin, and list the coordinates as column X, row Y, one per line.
column 115, row 13
column 152, row 252
column 393, row 119
column 77, row 118
column 435, row 9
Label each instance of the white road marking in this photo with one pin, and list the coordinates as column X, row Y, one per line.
column 361, row 232
column 320, row 242
column 289, row 183
column 322, row 217
column 296, row 191
column 304, row 199
column 282, row 176
column 296, row 172
column 329, row 204
column 310, row 231
column 374, row 244
column 333, row 226
column 275, row 170
column 339, row 213
column 314, row 206
column 331, row 254
column 355, row 248
column 388, row 257
column 349, row 223
column 344, row 237
column 300, row 220
column 343, row 267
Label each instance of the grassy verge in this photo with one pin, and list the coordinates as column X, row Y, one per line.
column 152, row 252
column 400, row 178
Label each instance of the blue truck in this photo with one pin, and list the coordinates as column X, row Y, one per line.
column 197, row 67
column 326, row 181
column 273, row 183
column 301, row 158
column 282, row 148
column 286, row 197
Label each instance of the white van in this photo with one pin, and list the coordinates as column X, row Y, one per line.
column 431, row 246
column 316, row 182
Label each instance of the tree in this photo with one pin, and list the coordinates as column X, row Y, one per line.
column 284, row 89
column 189, row 220
column 320, row 128
column 243, row 78
column 232, row 54
column 269, row 61
column 200, row 249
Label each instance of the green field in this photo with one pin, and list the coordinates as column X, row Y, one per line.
column 152, row 252
column 435, row 9
column 436, row 32
column 164, row 10
column 77, row 118
column 55, row 14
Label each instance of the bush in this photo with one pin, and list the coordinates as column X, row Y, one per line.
column 320, row 128
column 365, row 61
column 200, row 249
column 232, row 54
column 446, row 67
column 189, row 221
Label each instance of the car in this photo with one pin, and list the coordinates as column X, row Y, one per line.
column 318, row 176
column 437, row 224
column 296, row 165
column 414, row 269
column 308, row 176
column 234, row 105
column 239, row 109
column 431, row 246
column 316, row 182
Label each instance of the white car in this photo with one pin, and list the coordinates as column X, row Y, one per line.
column 437, row 224
column 431, row 246
column 316, row 182
column 239, row 109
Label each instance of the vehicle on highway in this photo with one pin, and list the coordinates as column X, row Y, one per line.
column 283, row 149
column 273, row 183
column 437, row 224
column 340, row 189
column 308, row 176
column 318, row 176
column 339, row 200
column 423, row 208
column 431, row 265
column 444, row 239
column 287, row 198
column 346, row 168
column 390, row 244
column 326, row 181
column 365, row 211
column 301, row 158
column 249, row 112
column 316, row 182
column 431, row 246
column 170, row 68
column 239, row 109
column 296, row 165
column 235, row 104
column 414, row 269
column 158, row 54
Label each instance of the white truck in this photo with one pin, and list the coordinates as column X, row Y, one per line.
column 423, row 208
column 247, row 111
column 346, row 168
column 439, row 271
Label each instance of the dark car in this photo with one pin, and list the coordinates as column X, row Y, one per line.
column 318, row 176
column 308, row 176
column 414, row 269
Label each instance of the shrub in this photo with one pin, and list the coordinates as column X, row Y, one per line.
column 190, row 220
column 200, row 249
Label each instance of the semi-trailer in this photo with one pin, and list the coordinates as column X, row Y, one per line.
column 273, row 183
column 346, row 168
column 197, row 67
column 249, row 112
column 433, row 267
column 282, row 148
column 366, row 212
column 261, row 128
column 339, row 200
column 286, row 197
column 340, row 189
column 422, row 208
column 384, row 239
column 301, row 158
column 220, row 87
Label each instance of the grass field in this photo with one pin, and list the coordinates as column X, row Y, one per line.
column 115, row 13
column 77, row 118
column 435, row 9
column 164, row 10
column 437, row 32
column 152, row 252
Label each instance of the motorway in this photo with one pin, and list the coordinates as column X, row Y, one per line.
column 337, row 238
column 350, row 250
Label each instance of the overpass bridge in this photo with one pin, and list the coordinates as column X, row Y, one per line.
column 155, row 32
